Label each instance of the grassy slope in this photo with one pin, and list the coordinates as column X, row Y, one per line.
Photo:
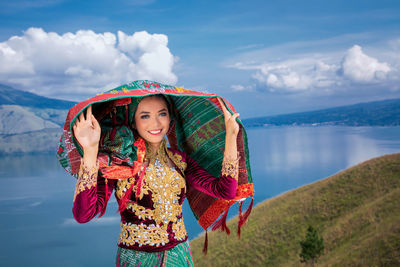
column 356, row 211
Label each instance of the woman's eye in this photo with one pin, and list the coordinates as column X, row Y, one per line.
column 163, row 114
column 144, row 116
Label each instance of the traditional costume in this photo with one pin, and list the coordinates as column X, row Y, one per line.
column 150, row 190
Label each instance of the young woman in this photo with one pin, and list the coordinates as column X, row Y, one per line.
column 152, row 229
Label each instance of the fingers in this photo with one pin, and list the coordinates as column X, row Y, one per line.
column 76, row 123
column 79, row 118
column 89, row 112
column 235, row 116
column 88, row 117
column 226, row 112
column 232, row 120
column 95, row 123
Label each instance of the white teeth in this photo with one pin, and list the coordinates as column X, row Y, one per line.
column 155, row 132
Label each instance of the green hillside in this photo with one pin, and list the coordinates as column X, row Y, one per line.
column 356, row 212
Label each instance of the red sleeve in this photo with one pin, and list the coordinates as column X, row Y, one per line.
column 223, row 187
column 91, row 198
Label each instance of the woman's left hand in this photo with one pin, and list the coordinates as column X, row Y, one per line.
column 231, row 125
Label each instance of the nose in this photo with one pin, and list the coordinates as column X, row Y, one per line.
column 156, row 122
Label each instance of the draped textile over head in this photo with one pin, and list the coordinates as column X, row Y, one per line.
column 198, row 129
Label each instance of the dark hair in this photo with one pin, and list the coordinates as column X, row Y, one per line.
column 167, row 103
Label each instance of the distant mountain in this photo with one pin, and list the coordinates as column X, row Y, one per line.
column 23, row 112
column 42, row 141
column 30, row 123
column 16, row 119
column 27, row 119
column 12, row 96
column 377, row 113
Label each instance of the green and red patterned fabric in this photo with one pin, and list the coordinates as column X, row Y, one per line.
column 198, row 130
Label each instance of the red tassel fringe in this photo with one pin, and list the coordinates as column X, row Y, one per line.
column 243, row 217
column 205, row 247
column 139, row 182
column 221, row 223
column 240, row 216
column 123, row 202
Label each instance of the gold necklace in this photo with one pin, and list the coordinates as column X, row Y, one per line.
column 160, row 153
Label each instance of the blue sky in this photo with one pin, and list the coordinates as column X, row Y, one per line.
column 266, row 57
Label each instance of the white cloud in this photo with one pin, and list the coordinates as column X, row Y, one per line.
column 248, row 47
column 35, row 204
column 395, row 44
column 151, row 54
column 281, row 77
column 239, row 87
column 85, row 62
column 359, row 67
column 320, row 73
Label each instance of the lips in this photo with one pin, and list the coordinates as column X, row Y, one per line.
column 155, row 132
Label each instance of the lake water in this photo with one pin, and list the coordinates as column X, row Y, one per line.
column 36, row 223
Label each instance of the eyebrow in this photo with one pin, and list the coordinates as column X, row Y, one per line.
column 146, row 112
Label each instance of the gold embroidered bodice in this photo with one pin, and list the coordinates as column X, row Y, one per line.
column 164, row 185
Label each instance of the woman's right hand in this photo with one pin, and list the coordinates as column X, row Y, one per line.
column 87, row 131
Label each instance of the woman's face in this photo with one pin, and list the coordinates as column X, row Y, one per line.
column 152, row 120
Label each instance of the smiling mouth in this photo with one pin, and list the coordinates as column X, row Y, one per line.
column 157, row 132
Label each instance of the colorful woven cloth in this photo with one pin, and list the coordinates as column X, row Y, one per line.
column 198, row 130
column 178, row 256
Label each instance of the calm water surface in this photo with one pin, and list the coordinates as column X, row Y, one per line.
column 36, row 224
